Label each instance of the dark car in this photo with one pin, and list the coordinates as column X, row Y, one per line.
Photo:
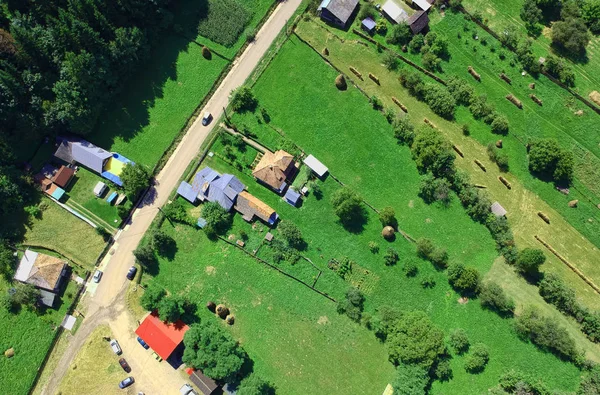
column 124, row 365
column 206, row 118
column 143, row 343
column 131, row 273
column 127, row 382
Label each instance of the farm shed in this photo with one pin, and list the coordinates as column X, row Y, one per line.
column 368, row 25
column 394, row 12
column 316, row 166
column 206, row 385
column 423, row 4
column 43, row 271
column 498, row 210
column 162, row 338
column 338, row 12
column 48, row 187
column 275, row 169
column 63, row 176
column 292, row 197
column 418, row 22
column 250, row 206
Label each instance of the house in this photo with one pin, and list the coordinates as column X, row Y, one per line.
column 44, row 272
column 422, row 4
column 316, row 166
column 368, row 25
column 48, row 187
column 292, row 197
column 250, row 207
column 337, row 12
column 161, row 337
column 393, row 12
column 206, row 385
column 63, row 176
column 275, row 170
column 498, row 210
column 418, row 22
column 208, row 185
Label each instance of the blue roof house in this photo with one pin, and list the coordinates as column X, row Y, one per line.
column 208, row 185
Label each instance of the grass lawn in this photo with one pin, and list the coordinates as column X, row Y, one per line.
column 61, row 231
column 95, row 369
column 520, row 199
column 30, row 334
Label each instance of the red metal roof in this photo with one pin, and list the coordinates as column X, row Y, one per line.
column 162, row 338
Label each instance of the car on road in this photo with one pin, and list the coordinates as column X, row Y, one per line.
column 143, row 343
column 124, row 365
column 114, row 344
column 97, row 276
column 127, row 382
column 206, row 118
column 131, row 273
column 186, row 389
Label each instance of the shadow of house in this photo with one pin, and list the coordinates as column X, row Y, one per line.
column 338, row 12
column 44, row 272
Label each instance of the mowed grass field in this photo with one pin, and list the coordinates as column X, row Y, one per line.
column 501, row 14
column 356, row 143
column 30, row 334
column 522, row 204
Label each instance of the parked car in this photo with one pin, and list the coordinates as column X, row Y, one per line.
column 124, row 365
column 143, row 343
column 157, row 357
column 206, row 118
column 187, row 389
column 100, row 188
column 97, row 276
column 127, row 382
column 114, row 344
column 131, row 273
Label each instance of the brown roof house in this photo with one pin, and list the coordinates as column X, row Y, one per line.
column 418, row 22
column 63, row 176
column 44, row 272
column 250, row 207
column 275, row 169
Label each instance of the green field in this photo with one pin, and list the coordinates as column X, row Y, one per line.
column 30, row 334
column 357, row 145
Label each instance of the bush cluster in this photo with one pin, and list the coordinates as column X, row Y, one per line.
column 548, row 159
column 352, row 305
column 492, row 296
column 464, row 279
column 428, row 251
column 436, row 96
column 498, row 157
column 560, row 70
column 433, row 189
column 459, row 341
column 477, row 359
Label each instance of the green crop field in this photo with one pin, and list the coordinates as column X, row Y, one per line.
column 30, row 334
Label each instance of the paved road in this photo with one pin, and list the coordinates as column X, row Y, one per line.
column 108, row 303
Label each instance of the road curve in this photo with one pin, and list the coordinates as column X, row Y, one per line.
column 110, row 294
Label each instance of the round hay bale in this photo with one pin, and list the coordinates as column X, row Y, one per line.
column 9, row 353
column 325, row 52
column 388, row 233
column 573, row 203
column 211, row 306
column 230, row 319
column 340, row 82
column 499, row 143
column 222, row 310
column 206, row 54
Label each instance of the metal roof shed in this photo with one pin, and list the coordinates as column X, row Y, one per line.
column 187, row 192
column 498, row 210
column 315, row 165
column 368, row 25
column 394, row 12
column 423, row 4
column 292, row 197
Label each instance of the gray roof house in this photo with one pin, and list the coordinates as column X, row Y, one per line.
column 418, row 22
column 44, row 272
column 209, row 185
column 338, row 12
column 87, row 154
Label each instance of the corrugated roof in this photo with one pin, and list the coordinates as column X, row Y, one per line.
column 249, row 205
column 418, row 21
column 423, row 4
column 205, row 384
column 394, row 11
column 498, row 210
column 342, row 9
column 292, row 196
column 63, row 176
column 89, row 155
column 162, row 338
column 369, row 23
column 186, row 191
column 319, row 168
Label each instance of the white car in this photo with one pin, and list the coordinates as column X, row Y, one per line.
column 97, row 276
column 114, row 344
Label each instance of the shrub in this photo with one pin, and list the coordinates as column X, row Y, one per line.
column 175, row 211
column 461, row 90
column 171, row 308
column 500, row 158
column 410, row 269
column 135, row 178
column 425, row 248
column 492, row 296
column 290, row 233
column 440, row 100
column 443, row 371
column 217, row 219
column 144, row 254
column 500, row 124
column 465, row 130
column 554, row 291
column 433, row 189
column 373, row 247
column 376, row 103
column 255, row 385
column 367, row 10
column 347, row 205
column 437, row 256
column 391, row 257
column 432, row 153
column 431, row 62
column 459, row 341
column 352, row 305
column 400, row 34
column 464, row 279
column 225, row 21
column 162, row 242
column 591, row 326
column 243, row 100
column 381, row 26
column 416, row 43
column 547, row 157
column 477, row 358
column 390, row 61
column 480, row 108
column 410, row 380
column 560, row 70
column 428, row 281
column 529, row 261
column 404, row 131
column 413, row 82
column 387, row 217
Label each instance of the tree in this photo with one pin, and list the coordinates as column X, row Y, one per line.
column 255, row 385
column 7, row 260
column 212, row 350
column 590, row 384
column 135, row 178
column 432, row 152
column 431, row 62
column 546, row 157
column 171, row 308
column 464, row 279
column 571, row 35
column 352, row 305
column 10, row 193
column 459, row 341
column 25, row 295
column 410, row 380
column 162, row 242
column 492, row 296
column 400, row 34
column 416, row 43
column 531, row 14
column 410, row 269
column 152, row 296
column 415, row 340
column 433, row 189
column 390, row 61
column 500, row 124
column 144, row 254
column 217, row 219
column 439, row 99
column 477, row 358
column 367, row 10
column 529, row 261
column 290, row 233
column 387, row 217
column 243, row 100
column 404, row 131
column 590, row 12
column 391, row 257
column 462, row 91
column 591, row 326
column 347, row 205
column 175, row 211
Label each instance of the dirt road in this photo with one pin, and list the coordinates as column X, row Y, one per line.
column 108, row 303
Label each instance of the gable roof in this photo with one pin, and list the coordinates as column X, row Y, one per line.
column 187, row 192
column 394, row 11
column 423, row 4
column 369, row 23
column 315, row 165
column 418, row 21
column 342, row 9
column 162, row 338
column 83, row 152
column 41, row 270
column 292, row 196
column 203, row 178
column 498, row 210
column 63, row 176
column 250, row 206
column 273, row 168
column 224, row 190
column 205, row 384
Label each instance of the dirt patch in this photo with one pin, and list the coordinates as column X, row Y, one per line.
column 411, row 204
column 211, row 270
column 428, row 220
column 323, row 320
column 463, row 300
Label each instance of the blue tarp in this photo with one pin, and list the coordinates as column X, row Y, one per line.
column 112, row 177
column 112, row 197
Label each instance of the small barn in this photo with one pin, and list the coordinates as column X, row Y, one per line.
column 63, row 176
column 252, row 207
column 316, row 166
column 206, row 385
column 161, row 337
column 337, row 12
column 44, row 272
column 418, row 22
column 498, row 210
column 292, row 197
column 393, row 12
column 368, row 25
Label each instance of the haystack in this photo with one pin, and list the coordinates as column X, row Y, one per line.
column 9, row 353
column 211, row 306
column 222, row 310
column 388, row 233
column 475, row 75
column 499, row 143
column 325, row 52
column 230, row 319
column 340, row 82
column 595, row 97
column 505, row 78
column 511, row 98
column 206, row 54
column 573, row 203
column 536, row 99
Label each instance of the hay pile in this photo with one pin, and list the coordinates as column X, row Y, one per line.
column 532, row 85
column 222, row 311
column 375, row 79
column 511, row 98
column 481, row 166
column 340, row 82
column 474, row 73
column 573, row 203
column 458, row 151
column 211, row 306
column 356, row 73
column 499, row 144
column 206, row 54
column 9, row 353
column 325, row 52
column 402, row 106
column 388, row 233
column 505, row 182
column 505, row 78
column 536, row 99
column 544, row 217
column 230, row 319
column 595, row 97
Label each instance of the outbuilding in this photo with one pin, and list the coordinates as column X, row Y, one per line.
column 161, row 337
column 368, row 25
column 292, row 197
column 498, row 210
column 316, row 166
column 393, row 12
column 337, row 12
